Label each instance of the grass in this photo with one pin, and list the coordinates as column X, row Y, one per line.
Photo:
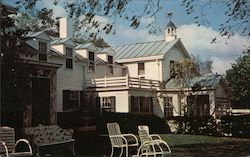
column 182, row 139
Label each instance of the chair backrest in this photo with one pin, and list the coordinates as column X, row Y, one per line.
column 7, row 135
column 143, row 132
column 114, row 129
column 143, row 127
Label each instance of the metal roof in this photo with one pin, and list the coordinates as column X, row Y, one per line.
column 203, row 81
column 88, row 46
column 153, row 48
column 171, row 24
column 33, row 34
column 59, row 41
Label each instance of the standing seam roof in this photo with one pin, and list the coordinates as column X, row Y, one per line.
column 137, row 50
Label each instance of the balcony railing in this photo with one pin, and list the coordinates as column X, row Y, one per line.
column 125, row 81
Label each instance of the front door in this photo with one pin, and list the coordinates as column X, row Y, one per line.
column 41, row 101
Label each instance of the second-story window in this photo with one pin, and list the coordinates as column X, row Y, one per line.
column 91, row 61
column 43, row 51
column 69, row 58
column 172, row 69
column 110, row 66
column 141, row 69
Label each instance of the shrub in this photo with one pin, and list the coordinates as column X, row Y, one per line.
column 129, row 122
column 238, row 126
column 195, row 125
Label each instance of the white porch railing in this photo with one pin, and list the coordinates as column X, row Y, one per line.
column 125, row 81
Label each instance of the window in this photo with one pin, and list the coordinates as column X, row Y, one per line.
column 141, row 69
column 71, row 99
column 108, row 104
column 168, row 106
column 69, row 58
column 43, row 50
column 110, row 66
column 172, row 69
column 43, row 47
column 42, row 57
column 141, row 104
column 92, row 61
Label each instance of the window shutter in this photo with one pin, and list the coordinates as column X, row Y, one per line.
column 132, row 103
column 82, row 99
column 151, row 105
column 112, row 105
column 98, row 105
column 65, row 99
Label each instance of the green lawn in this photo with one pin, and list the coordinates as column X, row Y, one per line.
column 180, row 139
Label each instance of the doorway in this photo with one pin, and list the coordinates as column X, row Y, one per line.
column 40, row 101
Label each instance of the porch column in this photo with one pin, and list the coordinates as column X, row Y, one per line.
column 53, row 113
column 212, row 103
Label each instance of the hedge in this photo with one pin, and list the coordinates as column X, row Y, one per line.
column 238, row 126
column 129, row 122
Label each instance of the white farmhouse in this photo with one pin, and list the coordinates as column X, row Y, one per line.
column 78, row 81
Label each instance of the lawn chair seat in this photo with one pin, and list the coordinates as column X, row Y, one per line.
column 8, row 144
column 119, row 140
column 151, row 147
column 152, row 136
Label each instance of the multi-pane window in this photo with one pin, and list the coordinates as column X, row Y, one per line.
column 42, row 57
column 91, row 61
column 168, row 106
column 172, row 69
column 43, row 47
column 108, row 104
column 71, row 99
column 69, row 58
column 141, row 104
column 141, row 69
column 43, row 50
column 110, row 66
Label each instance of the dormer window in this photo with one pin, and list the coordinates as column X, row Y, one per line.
column 110, row 65
column 69, row 58
column 91, row 61
column 43, row 50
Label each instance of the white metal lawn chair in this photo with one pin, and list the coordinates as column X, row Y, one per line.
column 119, row 140
column 152, row 136
column 8, row 144
column 150, row 146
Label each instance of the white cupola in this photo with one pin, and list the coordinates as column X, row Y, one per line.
column 170, row 32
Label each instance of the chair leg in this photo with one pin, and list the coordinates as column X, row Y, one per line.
column 121, row 152
column 126, row 151
column 112, row 152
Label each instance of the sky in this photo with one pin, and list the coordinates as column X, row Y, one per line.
column 195, row 39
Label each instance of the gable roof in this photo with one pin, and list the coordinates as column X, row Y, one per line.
column 33, row 34
column 153, row 48
column 107, row 50
column 210, row 81
column 88, row 46
column 57, row 41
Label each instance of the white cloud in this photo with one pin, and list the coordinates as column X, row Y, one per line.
column 195, row 39
column 223, row 52
column 126, row 35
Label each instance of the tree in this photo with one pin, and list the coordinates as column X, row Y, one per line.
column 238, row 79
column 237, row 13
column 204, row 67
column 15, row 74
column 37, row 20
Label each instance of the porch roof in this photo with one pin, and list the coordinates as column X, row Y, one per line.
column 202, row 81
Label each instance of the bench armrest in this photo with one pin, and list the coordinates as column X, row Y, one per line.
column 27, row 143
